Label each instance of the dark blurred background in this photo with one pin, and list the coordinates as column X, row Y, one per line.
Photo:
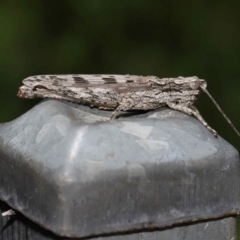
column 162, row 38
column 158, row 37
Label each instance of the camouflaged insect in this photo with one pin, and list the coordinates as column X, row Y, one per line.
column 121, row 92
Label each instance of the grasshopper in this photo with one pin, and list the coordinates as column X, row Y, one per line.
column 122, row 92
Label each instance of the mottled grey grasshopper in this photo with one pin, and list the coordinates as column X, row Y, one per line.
column 122, row 92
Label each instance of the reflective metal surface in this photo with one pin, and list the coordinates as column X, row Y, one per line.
column 74, row 172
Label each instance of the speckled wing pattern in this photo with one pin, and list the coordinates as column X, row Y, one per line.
column 92, row 79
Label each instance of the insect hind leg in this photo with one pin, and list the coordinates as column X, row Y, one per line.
column 191, row 110
column 122, row 106
column 115, row 112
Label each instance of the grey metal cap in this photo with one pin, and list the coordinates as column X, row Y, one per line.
column 74, row 172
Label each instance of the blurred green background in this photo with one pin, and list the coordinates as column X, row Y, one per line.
column 165, row 38
column 162, row 38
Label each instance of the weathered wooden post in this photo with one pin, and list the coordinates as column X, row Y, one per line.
column 158, row 175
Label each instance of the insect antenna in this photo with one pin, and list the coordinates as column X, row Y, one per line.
column 220, row 110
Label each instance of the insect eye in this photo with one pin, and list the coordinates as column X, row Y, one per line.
column 195, row 85
column 39, row 87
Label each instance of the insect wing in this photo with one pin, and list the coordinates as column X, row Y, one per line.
column 118, row 83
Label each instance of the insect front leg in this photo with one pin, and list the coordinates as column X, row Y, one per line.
column 200, row 118
column 191, row 110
